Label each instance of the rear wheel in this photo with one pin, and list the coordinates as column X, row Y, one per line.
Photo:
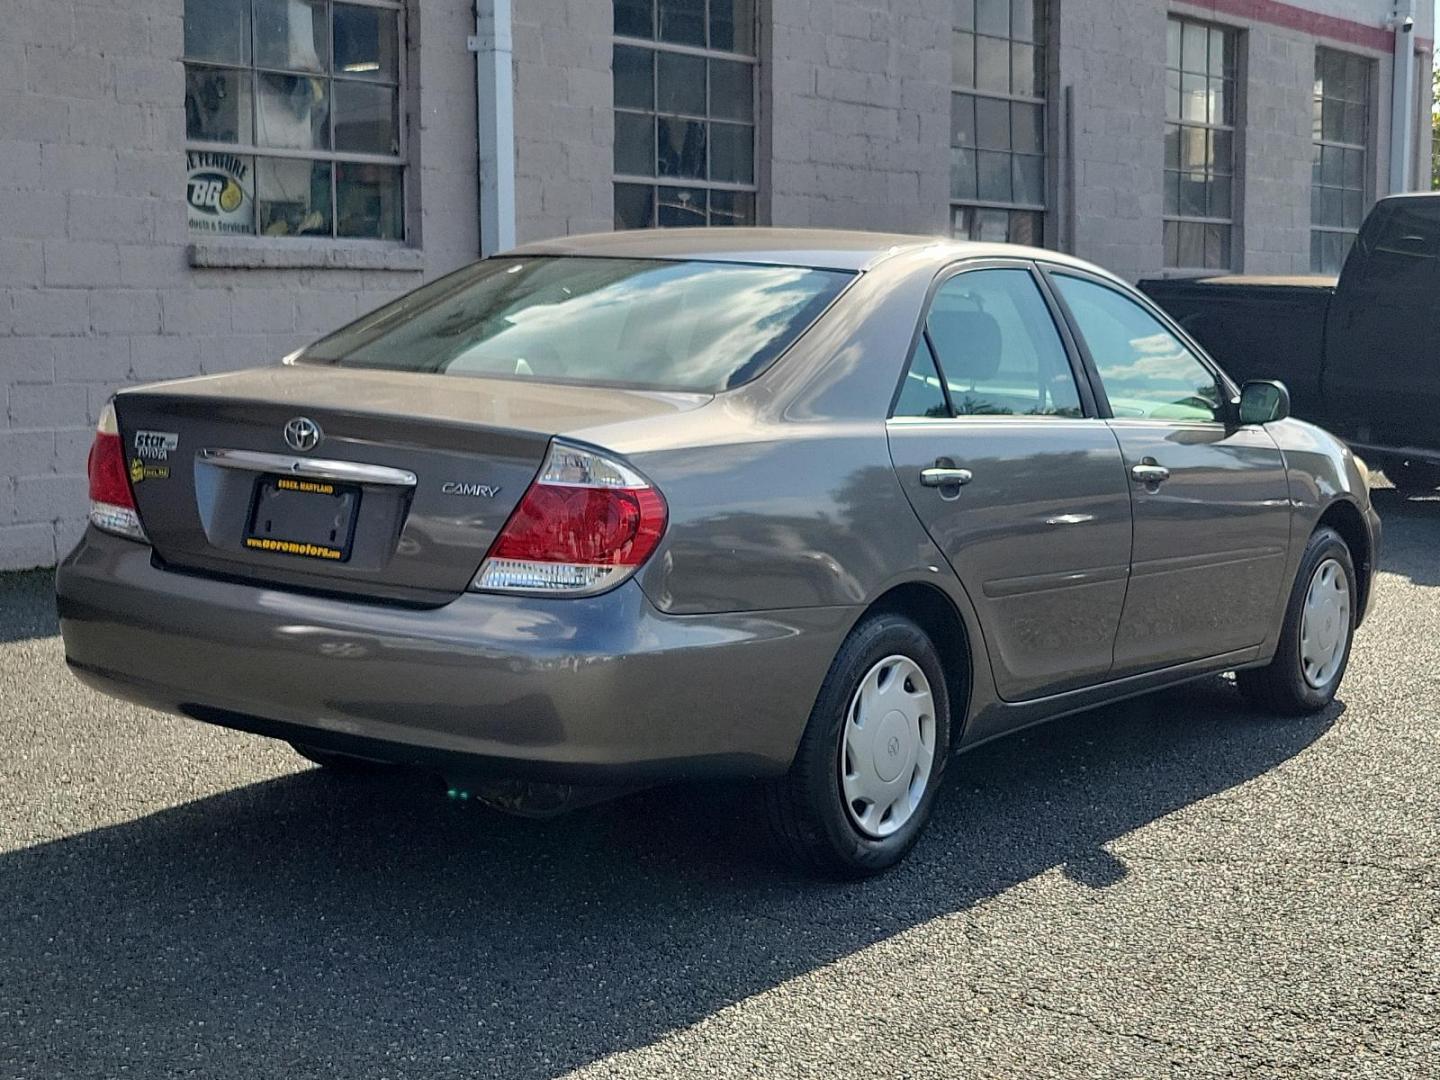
column 341, row 763
column 865, row 776
column 1315, row 640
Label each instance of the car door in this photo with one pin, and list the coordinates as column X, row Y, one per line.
column 1211, row 501
column 999, row 449
column 1382, row 353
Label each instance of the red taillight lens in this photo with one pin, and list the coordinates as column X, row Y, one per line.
column 582, row 526
column 112, row 503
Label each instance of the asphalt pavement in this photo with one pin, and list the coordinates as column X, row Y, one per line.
column 1178, row 886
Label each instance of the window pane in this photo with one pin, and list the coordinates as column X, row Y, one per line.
column 291, row 34
column 1172, row 146
column 1022, row 19
column 1222, row 151
column 1353, row 124
column 291, row 112
column 732, row 25
column 634, row 206
column 635, row 144
column 732, row 90
column 992, row 17
column 681, row 207
column 1028, row 128
column 367, row 42
column 1357, row 86
column 1027, row 227
column 220, row 192
column 1172, row 43
column 732, row 153
column 1317, row 256
column 962, row 120
column 1217, row 247
column 1331, row 210
column 1220, row 197
column 994, row 176
column 634, row 77
column 680, row 83
column 680, row 147
column 369, row 201
column 1332, row 121
column 920, row 393
column 217, row 105
column 1355, row 168
column 1219, row 63
column 1192, row 244
column 1332, row 166
column 682, row 21
column 1172, row 243
column 635, row 18
column 1172, row 95
column 292, row 198
column 992, row 64
column 1029, row 179
column 1194, row 48
column 992, row 124
column 1352, row 205
column 962, row 59
column 367, row 120
column 1172, row 194
column 1220, row 109
column 990, row 226
column 1146, row 371
column 998, row 348
column 218, row 30
column 962, row 174
column 1022, row 68
column 1193, row 153
column 732, row 208
column 1194, row 98
column 1192, row 194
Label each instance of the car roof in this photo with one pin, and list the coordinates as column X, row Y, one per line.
column 830, row 249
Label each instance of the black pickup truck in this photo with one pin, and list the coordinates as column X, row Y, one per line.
column 1360, row 355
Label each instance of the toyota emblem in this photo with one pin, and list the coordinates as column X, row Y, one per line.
column 303, row 434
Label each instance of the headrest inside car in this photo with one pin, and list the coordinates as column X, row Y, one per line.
column 968, row 342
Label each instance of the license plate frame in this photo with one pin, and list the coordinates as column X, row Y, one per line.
column 299, row 537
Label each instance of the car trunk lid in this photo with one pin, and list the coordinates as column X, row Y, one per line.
column 407, row 483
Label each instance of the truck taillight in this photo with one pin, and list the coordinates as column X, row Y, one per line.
column 112, row 503
column 585, row 524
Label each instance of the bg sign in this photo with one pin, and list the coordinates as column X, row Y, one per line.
column 220, row 193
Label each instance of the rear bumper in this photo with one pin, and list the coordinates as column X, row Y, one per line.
column 600, row 690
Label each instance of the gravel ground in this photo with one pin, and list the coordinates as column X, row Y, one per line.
column 1176, row 886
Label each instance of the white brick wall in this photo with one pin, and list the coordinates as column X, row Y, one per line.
column 96, row 290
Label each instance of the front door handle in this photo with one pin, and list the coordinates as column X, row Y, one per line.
column 1149, row 473
column 942, row 477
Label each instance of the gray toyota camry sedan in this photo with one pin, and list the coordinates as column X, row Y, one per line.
column 812, row 509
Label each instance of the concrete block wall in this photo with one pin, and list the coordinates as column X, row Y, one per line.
column 97, row 289
column 858, row 100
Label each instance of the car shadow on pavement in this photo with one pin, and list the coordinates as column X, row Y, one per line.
column 316, row 925
column 27, row 601
column 1407, row 545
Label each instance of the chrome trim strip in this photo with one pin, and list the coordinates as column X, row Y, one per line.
column 353, row 472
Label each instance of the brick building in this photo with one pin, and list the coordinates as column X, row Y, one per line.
column 192, row 186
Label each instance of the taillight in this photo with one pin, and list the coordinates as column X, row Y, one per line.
column 112, row 503
column 584, row 525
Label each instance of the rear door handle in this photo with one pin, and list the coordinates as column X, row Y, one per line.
column 1149, row 473
column 940, row 477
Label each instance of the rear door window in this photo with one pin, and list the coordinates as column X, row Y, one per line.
column 999, row 348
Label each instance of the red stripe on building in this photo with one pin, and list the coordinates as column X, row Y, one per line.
column 1308, row 22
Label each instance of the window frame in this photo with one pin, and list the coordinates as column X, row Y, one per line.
column 404, row 92
column 1320, row 143
column 1230, row 80
column 1045, row 40
column 657, row 182
column 1089, row 405
column 1229, row 407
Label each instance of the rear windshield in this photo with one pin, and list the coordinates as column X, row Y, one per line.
column 648, row 323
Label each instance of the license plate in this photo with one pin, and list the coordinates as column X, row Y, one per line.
column 311, row 519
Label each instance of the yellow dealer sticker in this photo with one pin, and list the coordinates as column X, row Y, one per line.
column 290, row 547
column 310, row 487
column 141, row 471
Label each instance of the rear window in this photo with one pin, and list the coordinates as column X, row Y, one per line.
column 647, row 323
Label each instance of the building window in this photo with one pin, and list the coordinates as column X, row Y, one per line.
column 684, row 112
column 997, row 120
column 1338, row 166
column 1200, row 110
column 293, row 118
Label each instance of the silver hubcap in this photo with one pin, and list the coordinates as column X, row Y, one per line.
column 888, row 746
column 1325, row 623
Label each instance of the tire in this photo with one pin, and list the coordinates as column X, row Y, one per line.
column 341, row 763
column 1290, row 684
column 1413, row 477
column 813, row 817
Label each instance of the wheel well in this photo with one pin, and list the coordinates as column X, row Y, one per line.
column 935, row 613
column 1345, row 519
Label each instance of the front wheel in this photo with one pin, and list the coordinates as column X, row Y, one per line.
column 864, row 778
column 1315, row 638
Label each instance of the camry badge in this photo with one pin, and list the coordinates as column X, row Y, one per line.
column 476, row 491
column 303, row 434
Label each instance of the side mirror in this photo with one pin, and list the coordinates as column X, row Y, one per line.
column 1263, row 401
